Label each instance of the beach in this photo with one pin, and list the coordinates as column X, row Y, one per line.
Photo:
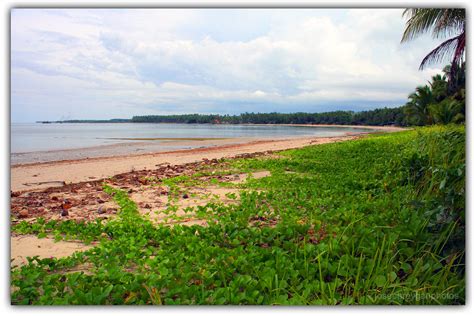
column 298, row 157
column 36, row 176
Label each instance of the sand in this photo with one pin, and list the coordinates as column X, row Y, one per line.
column 30, row 246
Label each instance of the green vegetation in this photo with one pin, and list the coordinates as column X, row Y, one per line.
column 437, row 103
column 379, row 220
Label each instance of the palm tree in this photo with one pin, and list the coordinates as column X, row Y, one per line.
column 439, row 87
column 447, row 111
column 456, row 77
column 418, row 106
column 441, row 22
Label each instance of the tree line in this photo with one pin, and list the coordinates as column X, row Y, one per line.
column 382, row 116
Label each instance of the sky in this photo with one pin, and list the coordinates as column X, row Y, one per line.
column 117, row 63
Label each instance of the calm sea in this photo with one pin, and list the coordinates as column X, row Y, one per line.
column 36, row 137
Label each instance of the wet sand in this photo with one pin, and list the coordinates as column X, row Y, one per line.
column 135, row 147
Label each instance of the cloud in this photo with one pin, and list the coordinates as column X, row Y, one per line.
column 124, row 62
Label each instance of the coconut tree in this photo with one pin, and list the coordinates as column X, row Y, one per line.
column 418, row 106
column 442, row 23
column 456, row 77
column 439, row 87
column 447, row 111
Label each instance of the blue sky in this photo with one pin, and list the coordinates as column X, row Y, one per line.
column 116, row 63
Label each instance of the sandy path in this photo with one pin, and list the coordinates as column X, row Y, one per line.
column 30, row 246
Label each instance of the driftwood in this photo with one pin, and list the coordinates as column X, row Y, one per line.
column 44, row 182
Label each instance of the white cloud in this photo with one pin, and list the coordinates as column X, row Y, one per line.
column 156, row 60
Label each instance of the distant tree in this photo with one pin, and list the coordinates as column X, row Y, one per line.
column 385, row 116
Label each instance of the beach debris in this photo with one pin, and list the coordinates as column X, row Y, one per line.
column 66, row 205
column 14, row 194
column 101, row 210
column 103, row 196
column 111, row 209
column 185, row 196
column 44, row 182
column 23, row 213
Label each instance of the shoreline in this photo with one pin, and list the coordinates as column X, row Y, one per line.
column 42, row 175
column 245, row 141
column 141, row 146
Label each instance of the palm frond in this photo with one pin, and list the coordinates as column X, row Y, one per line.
column 419, row 22
column 440, row 52
column 451, row 22
column 442, row 22
column 459, row 52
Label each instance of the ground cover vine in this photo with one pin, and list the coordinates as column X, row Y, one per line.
column 378, row 220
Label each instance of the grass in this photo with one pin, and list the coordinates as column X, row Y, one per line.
column 378, row 220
